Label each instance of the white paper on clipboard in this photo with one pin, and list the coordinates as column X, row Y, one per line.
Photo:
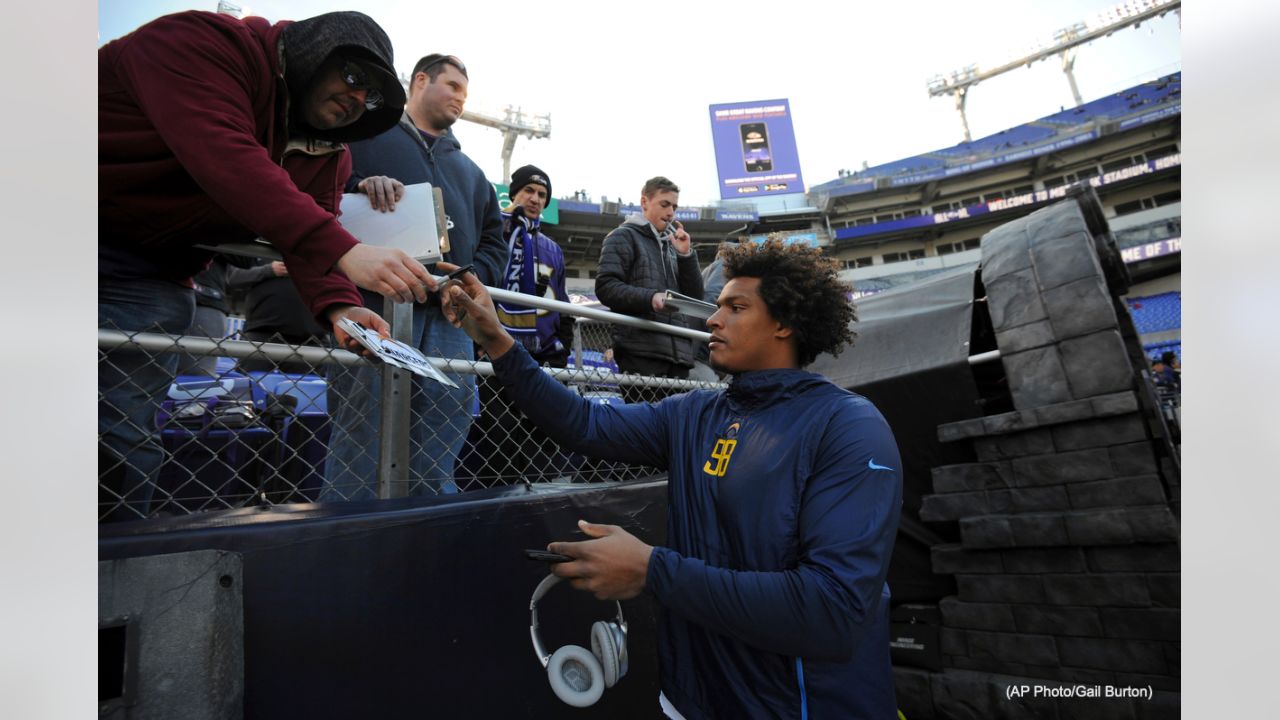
column 411, row 227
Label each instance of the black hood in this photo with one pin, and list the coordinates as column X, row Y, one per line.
column 308, row 43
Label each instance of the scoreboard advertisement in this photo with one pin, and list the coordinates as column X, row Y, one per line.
column 755, row 149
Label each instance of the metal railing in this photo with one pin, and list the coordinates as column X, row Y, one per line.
column 336, row 426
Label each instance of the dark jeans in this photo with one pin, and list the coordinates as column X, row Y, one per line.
column 208, row 322
column 131, row 384
column 439, row 417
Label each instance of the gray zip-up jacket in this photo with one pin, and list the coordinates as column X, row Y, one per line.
column 635, row 263
column 475, row 224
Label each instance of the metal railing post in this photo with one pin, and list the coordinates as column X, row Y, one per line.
column 397, row 384
column 577, row 341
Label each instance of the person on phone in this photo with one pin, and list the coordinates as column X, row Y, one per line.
column 214, row 129
column 644, row 257
column 784, row 493
column 419, row 148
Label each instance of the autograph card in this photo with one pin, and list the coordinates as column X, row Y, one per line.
column 394, row 352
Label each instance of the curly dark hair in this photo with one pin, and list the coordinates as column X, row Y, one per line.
column 801, row 289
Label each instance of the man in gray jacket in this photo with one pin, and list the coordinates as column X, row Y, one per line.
column 643, row 258
column 421, row 148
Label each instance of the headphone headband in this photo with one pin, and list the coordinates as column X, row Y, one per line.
column 543, row 587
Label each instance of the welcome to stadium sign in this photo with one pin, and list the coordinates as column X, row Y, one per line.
column 1159, row 248
column 1036, row 197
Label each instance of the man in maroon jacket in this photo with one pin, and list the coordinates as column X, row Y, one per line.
column 213, row 129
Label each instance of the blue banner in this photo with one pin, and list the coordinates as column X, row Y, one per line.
column 737, row 215
column 755, row 149
column 1152, row 250
column 579, row 206
column 1173, row 109
column 682, row 214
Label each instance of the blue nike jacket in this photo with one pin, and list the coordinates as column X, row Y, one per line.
column 784, row 494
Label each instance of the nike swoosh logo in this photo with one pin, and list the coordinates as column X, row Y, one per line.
column 872, row 464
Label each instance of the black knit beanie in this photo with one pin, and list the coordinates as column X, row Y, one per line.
column 529, row 174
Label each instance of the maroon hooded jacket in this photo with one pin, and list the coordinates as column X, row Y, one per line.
column 194, row 148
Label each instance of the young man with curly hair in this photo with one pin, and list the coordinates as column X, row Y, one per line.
column 783, row 499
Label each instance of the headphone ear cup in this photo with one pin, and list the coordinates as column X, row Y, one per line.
column 606, row 651
column 576, row 676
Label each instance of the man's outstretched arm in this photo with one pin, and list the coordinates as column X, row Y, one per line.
column 631, row 433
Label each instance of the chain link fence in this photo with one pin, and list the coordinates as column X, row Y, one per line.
column 275, row 423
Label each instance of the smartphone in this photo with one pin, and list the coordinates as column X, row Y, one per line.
column 548, row 557
column 454, row 277
column 457, row 274
column 755, row 147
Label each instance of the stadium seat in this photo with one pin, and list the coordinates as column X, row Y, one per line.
column 1156, row 313
column 217, row 445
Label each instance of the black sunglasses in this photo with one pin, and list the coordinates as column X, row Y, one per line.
column 357, row 77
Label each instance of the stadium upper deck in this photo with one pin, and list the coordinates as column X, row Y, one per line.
column 1140, row 105
column 909, row 218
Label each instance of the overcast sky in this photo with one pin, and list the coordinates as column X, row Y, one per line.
column 627, row 86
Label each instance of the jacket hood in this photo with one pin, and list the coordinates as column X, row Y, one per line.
column 642, row 222
column 448, row 142
column 758, row 388
column 306, row 44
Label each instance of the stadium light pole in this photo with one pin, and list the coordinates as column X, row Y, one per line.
column 1065, row 41
column 1064, row 37
column 512, row 127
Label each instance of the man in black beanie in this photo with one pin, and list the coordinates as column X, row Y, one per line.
column 214, row 129
column 535, row 267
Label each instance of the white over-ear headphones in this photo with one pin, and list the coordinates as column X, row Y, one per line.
column 579, row 677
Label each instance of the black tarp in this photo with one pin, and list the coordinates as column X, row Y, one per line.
column 907, row 330
column 416, row 608
column 911, row 358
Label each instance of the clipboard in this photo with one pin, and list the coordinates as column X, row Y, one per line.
column 417, row 225
column 686, row 305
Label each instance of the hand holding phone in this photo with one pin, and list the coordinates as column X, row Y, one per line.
column 547, row 557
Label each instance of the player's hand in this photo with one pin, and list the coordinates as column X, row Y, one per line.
column 467, row 305
column 387, row 271
column 612, row 566
column 384, row 192
column 362, row 315
column 680, row 240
